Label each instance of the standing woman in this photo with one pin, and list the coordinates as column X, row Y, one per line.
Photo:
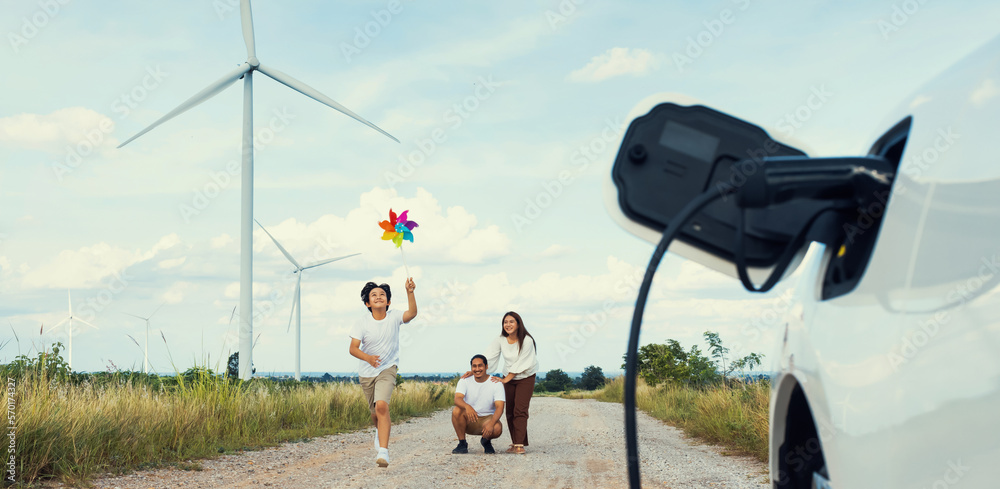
column 518, row 349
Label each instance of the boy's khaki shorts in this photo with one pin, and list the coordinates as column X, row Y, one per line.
column 379, row 388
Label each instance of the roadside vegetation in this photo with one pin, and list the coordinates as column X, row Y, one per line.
column 72, row 427
column 699, row 394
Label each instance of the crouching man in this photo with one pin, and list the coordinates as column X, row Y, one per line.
column 479, row 401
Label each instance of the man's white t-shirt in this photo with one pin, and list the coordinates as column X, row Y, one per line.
column 481, row 395
column 378, row 338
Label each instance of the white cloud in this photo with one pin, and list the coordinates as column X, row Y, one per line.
column 616, row 62
column 261, row 290
column 221, row 241
column 441, row 236
column 984, row 92
column 171, row 263
column 89, row 265
column 494, row 292
column 175, row 294
column 693, row 276
column 480, row 245
column 71, row 126
column 555, row 250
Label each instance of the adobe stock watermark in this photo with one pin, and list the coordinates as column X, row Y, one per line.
column 220, row 180
column 794, row 119
column 788, row 125
column 564, row 11
column 916, row 162
column 325, row 248
column 33, row 24
column 454, row 118
column 770, row 319
column 957, row 298
column 714, row 28
column 625, row 288
column 952, row 475
column 97, row 303
column 11, row 430
column 919, row 160
column 266, row 307
column 901, row 14
column 225, row 8
column 434, row 310
column 580, row 159
column 364, row 35
column 95, row 137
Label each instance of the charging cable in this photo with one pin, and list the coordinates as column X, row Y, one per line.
column 843, row 182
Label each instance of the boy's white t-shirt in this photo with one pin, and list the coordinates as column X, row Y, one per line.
column 481, row 395
column 378, row 338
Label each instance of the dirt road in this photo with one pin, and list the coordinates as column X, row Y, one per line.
column 574, row 444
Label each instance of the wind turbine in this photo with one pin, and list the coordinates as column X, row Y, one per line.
column 297, row 299
column 245, row 71
column 145, row 351
column 70, row 318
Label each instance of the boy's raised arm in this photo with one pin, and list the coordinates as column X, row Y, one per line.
column 410, row 313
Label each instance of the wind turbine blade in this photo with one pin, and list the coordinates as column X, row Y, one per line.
column 157, row 309
column 88, row 324
column 57, row 325
column 296, row 302
column 324, row 262
column 282, row 248
column 207, row 93
column 314, row 94
column 247, row 18
column 133, row 315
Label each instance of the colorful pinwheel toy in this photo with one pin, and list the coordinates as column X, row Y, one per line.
column 398, row 229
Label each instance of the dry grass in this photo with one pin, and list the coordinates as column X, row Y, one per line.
column 733, row 417
column 72, row 432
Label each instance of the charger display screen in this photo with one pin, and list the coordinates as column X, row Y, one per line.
column 684, row 139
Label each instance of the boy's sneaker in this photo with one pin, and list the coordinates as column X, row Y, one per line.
column 487, row 445
column 463, row 447
column 382, row 459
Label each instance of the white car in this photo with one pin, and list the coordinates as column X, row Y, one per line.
column 888, row 373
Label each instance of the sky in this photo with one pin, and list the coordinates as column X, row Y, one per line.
column 492, row 103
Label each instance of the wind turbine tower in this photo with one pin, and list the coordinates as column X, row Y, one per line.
column 145, row 351
column 246, row 71
column 69, row 329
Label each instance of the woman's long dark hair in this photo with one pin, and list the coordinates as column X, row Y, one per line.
column 521, row 330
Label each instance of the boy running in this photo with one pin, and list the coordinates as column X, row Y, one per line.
column 375, row 341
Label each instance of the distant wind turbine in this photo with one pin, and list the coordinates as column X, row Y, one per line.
column 145, row 350
column 297, row 299
column 245, row 71
column 69, row 329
